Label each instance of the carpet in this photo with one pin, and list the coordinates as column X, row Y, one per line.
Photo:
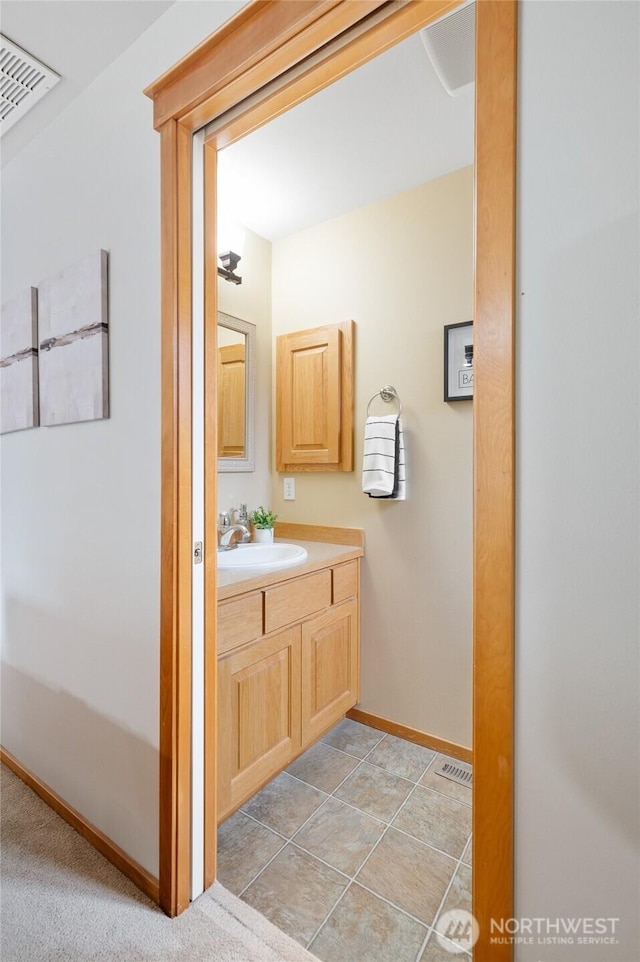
column 61, row 901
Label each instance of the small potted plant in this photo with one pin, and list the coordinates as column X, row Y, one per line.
column 263, row 522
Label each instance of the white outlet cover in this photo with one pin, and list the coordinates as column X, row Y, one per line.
column 289, row 489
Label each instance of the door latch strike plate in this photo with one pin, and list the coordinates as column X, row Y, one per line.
column 197, row 553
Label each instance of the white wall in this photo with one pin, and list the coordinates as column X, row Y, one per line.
column 80, row 503
column 402, row 269
column 577, row 683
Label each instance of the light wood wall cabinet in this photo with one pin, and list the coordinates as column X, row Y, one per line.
column 280, row 690
column 314, row 399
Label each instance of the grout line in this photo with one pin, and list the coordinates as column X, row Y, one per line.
column 326, row 918
column 344, row 802
column 459, row 862
column 288, row 840
column 424, row 944
column 342, row 751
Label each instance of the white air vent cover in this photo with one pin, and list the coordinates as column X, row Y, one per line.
column 23, row 82
column 450, row 43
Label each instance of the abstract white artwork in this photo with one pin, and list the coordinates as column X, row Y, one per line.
column 74, row 343
column 19, row 363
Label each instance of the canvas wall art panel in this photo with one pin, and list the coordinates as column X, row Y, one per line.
column 19, row 362
column 74, row 343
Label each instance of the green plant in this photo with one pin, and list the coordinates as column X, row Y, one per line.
column 263, row 519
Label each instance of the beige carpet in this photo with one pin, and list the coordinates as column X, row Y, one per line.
column 61, row 900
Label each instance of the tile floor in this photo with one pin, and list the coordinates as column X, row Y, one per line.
column 355, row 850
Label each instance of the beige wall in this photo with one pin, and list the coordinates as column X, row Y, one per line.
column 402, row 269
column 251, row 301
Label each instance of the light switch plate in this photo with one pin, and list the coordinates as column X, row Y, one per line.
column 289, row 489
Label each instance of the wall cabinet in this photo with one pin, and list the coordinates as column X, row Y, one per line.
column 279, row 691
column 314, row 399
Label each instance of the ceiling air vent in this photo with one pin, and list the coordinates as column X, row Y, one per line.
column 450, row 43
column 23, row 82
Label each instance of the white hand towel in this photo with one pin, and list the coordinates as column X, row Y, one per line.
column 383, row 474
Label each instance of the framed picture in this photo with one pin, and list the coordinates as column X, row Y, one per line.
column 458, row 361
column 74, row 343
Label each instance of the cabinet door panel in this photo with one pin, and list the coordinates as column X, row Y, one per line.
column 231, row 401
column 259, row 716
column 329, row 668
column 314, row 399
column 309, row 373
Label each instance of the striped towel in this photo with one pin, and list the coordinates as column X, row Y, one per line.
column 383, row 463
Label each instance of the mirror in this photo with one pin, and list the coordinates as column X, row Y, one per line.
column 236, row 393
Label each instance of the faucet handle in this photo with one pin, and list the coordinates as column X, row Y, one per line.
column 223, row 519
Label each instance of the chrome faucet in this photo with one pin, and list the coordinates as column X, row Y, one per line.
column 226, row 530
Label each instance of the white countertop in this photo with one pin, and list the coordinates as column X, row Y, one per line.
column 320, row 555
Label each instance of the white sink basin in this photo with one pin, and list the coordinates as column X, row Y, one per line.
column 261, row 556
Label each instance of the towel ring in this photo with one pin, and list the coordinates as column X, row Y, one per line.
column 387, row 393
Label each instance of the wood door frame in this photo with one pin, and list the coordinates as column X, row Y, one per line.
column 314, row 42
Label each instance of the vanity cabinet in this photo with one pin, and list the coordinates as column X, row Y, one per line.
column 288, row 669
column 258, row 715
column 330, row 656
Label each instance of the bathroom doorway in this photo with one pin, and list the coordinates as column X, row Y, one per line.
column 493, row 543
column 383, row 237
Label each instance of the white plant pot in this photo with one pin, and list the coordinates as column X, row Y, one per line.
column 263, row 535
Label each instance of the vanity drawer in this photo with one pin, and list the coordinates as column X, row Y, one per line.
column 294, row 600
column 239, row 621
column 345, row 581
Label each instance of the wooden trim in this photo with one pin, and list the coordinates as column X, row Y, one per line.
column 262, row 41
column 112, row 852
column 387, row 26
column 210, row 511
column 494, row 471
column 320, row 532
column 176, row 548
column 411, row 734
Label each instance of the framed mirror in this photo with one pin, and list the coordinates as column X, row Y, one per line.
column 236, row 393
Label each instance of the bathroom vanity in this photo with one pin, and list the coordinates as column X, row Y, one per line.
column 288, row 664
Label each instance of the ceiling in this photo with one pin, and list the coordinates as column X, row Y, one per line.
column 386, row 127
column 77, row 39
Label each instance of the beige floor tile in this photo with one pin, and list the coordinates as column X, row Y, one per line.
column 459, row 895
column 244, row 848
column 352, row 737
column 401, row 757
column 409, row 874
column 374, row 791
column 340, row 835
column 363, row 928
column 323, row 767
column 437, row 820
column 435, row 952
column 446, row 786
column 295, row 892
column 284, row 804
